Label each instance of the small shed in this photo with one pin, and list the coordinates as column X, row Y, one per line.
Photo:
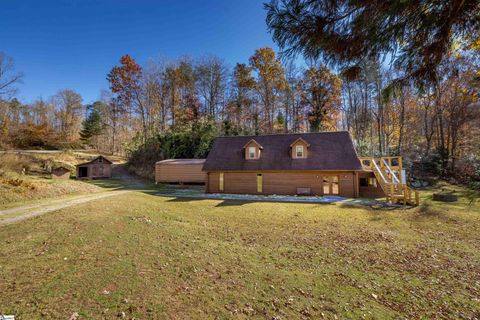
column 180, row 171
column 60, row 173
column 98, row 168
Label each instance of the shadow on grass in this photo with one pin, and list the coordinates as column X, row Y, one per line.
column 427, row 211
column 240, row 202
column 373, row 206
column 109, row 184
column 122, row 180
column 183, row 199
column 235, row 203
column 224, row 203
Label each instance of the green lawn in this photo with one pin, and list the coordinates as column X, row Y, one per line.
column 159, row 258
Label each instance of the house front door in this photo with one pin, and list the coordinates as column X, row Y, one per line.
column 330, row 185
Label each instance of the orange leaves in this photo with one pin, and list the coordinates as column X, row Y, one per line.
column 268, row 67
column 125, row 79
column 242, row 75
column 320, row 91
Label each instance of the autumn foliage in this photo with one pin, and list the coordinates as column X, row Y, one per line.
column 176, row 108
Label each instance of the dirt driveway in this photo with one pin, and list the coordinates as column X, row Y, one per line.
column 20, row 213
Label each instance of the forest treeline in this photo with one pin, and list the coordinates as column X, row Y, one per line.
column 174, row 109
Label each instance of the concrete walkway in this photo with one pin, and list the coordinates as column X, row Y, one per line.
column 273, row 198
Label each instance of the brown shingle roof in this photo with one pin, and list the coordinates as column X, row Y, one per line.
column 91, row 161
column 327, row 151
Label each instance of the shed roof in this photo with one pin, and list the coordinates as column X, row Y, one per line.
column 93, row 160
column 182, row 161
column 61, row 168
column 327, row 151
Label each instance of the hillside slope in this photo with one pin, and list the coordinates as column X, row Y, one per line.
column 25, row 175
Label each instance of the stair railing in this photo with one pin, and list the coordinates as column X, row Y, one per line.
column 377, row 169
column 394, row 176
column 390, row 182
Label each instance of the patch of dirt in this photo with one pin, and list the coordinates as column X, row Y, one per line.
column 24, row 212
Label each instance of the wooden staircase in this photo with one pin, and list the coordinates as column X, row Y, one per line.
column 388, row 172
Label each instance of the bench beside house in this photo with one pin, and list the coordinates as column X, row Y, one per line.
column 324, row 163
column 98, row 168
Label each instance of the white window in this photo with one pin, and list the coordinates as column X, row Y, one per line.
column 299, row 151
column 252, row 152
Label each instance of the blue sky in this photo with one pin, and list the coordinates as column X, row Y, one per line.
column 74, row 43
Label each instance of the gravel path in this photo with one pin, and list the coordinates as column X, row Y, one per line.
column 17, row 214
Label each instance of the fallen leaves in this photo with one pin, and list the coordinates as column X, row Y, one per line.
column 74, row 316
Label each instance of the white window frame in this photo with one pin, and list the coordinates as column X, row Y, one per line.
column 250, row 151
column 297, row 149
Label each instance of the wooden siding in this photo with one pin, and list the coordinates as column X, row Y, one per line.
column 60, row 173
column 213, row 182
column 282, row 183
column 179, row 173
column 369, row 191
column 96, row 170
column 240, row 182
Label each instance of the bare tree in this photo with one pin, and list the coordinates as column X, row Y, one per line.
column 8, row 77
column 211, row 75
column 68, row 109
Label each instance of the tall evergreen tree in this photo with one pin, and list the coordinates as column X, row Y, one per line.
column 416, row 35
column 92, row 126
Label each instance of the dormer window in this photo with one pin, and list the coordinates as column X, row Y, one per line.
column 299, row 149
column 252, row 150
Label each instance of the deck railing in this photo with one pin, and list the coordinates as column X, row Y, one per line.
column 388, row 171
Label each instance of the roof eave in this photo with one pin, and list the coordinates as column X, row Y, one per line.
column 253, row 140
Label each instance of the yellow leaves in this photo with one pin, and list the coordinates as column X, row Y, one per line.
column 320, row 91
column 474, row 44
column 269, row 68
column 243, row 76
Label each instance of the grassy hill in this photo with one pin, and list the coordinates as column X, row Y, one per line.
column 25, row 176
column 148, row 257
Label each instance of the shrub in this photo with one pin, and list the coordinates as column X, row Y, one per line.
column 12, row 162
column 189, row 143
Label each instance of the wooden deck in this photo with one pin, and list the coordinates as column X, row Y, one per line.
column 389, row 173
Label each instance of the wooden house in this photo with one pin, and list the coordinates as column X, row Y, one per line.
column 60, row 173
column 324, row 163
column 98, row 168
column 180, row 171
